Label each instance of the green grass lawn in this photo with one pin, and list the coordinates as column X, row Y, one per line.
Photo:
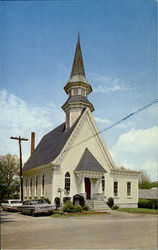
column 138, row 210
column 85, row 213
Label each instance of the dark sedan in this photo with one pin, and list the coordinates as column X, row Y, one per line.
column 34, row 207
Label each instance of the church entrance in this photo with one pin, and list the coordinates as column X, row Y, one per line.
column 88, row 187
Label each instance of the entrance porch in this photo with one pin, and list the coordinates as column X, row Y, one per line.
column 90, row 185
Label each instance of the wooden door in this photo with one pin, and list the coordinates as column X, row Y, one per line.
column 88, row 187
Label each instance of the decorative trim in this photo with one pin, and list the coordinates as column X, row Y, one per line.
column 89, row 174
column 77, row 84
column 86, row 115
column 81, row 104
column 124, row 172
column 37, row 169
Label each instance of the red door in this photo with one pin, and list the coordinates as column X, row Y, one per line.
column 88, row 187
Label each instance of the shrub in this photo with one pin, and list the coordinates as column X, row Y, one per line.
column 68, row 207
column 57, row 202
column 110, row 202
column 155, row 203
column 78, row 208
column 115, row 207
column 86, row 208
column 65, row 199
column 78, row 200
column 144, row 203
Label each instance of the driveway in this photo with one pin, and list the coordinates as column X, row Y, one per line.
column 113, row 231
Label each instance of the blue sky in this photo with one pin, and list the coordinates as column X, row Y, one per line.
column 118, row 40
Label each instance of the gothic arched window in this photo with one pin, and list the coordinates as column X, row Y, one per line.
column 75, row 91
column 26, row 187
column 103, row 183
column 43, row 184
column 31, row 186
column 36, row 185
column 67, row 181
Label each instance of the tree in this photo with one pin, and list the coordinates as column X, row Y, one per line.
column 144, row 181
column 9, row 177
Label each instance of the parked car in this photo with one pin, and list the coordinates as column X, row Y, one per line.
column 34, row 207
column 11, row 205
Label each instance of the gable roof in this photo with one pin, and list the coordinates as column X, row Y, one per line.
column 148, row 193
column 89, row 163
column 49, row 147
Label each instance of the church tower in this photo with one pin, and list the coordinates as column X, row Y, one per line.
column 77, row 90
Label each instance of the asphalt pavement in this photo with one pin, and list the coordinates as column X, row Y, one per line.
column 108, row 231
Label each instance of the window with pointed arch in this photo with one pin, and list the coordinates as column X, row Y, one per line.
column 75, row 91
column 43, row 183
column 36, row 185
column 103, row 183
column 67, row 182
column 26, row 187
column 31, row 186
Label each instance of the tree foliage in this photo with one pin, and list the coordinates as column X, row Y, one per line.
column 9, row 177
column 145, row 182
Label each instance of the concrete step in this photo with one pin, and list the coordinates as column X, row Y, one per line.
column 97, row 205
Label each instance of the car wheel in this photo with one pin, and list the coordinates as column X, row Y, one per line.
column 33, row 213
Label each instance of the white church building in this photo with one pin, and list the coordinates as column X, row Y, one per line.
column 73, row 158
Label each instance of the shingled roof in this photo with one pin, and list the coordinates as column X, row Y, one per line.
column 148, row 193
column 49, row 147
column 79, row 99
column 89, row 163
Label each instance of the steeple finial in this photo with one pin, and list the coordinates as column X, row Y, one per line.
column 78, row 66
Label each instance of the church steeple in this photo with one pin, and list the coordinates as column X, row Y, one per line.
column 78, row 66
column 77, row 89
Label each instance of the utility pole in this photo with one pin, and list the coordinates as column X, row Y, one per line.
column 20, row 151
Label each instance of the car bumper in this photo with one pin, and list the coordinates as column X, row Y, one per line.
column 43, row 211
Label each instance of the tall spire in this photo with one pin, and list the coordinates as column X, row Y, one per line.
column 78, row 66
column 77, row 89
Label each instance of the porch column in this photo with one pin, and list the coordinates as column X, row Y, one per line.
column 100, row 186
column 82, row 187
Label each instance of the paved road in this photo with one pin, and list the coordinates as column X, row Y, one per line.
column 114, row 231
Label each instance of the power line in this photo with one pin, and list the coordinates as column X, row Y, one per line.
column 116, row 123
column 131, row 114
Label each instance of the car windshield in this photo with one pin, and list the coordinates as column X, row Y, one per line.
column 33, row 202
column 13, row 202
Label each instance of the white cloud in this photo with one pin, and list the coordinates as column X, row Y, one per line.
column 19, row 118
column 107, row 84
column 102, row 120
column 137, row 149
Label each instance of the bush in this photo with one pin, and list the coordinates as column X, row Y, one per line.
column 68, row 207
column 65, row 199
column 144, row 203
column 110, row 202
column 78, row 200
column 115, row 207
column 86, row 208
column 78, row 208
column 57, row 202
